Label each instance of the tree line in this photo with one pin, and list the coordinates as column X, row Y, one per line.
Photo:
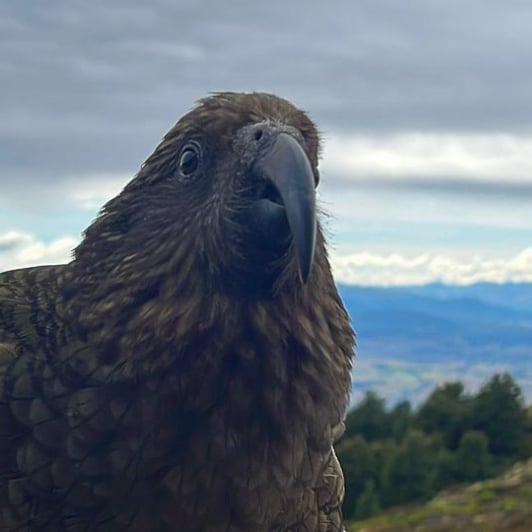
column 400, row 455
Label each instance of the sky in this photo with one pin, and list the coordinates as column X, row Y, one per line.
column 425, row 108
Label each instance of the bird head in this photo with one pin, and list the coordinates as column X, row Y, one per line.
column 230, row 191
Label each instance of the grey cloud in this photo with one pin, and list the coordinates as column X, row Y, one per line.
column 504, row 189
column 92, row 86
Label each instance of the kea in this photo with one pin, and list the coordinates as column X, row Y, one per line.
column 189, row 369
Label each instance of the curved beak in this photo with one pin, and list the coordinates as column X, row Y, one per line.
column 286, row 166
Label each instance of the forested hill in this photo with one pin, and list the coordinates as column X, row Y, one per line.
column 399, row 455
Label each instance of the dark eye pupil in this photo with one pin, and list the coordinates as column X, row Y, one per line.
column 188, row 162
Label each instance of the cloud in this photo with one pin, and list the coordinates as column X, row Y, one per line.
column 19, row 250
column 91, row 192
column 112, row 78
column 12, row 240
column 482, row 159
column 396, row 269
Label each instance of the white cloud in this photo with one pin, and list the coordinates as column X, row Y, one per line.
column 91, row 192
column 19, row 250
column 13, row 239
column 479, row 157
column 395, row 269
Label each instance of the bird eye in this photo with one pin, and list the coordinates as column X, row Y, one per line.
column 189, row 160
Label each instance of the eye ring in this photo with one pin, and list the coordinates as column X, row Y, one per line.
column 189, row 160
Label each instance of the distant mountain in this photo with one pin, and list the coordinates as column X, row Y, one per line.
column 410, row 338
column 516, row 295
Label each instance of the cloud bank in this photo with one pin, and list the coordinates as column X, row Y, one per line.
column 20, row 250
column 491, row 160
column 395, row 269
column 110, row 78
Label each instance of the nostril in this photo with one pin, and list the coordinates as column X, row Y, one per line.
column 258, row 134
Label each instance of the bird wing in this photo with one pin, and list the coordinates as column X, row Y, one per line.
column 27, row 306
column 27, row 314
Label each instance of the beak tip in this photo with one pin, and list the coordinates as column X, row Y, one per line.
column 305, row 256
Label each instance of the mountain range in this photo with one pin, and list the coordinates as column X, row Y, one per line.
column 412, row 338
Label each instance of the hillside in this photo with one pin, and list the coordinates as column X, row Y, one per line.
column 500, row 504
